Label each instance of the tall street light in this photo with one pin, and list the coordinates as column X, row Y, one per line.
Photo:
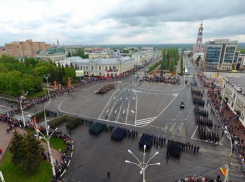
column 46, row 77
column 47, row 138
column 143, row 165
column 23, row 96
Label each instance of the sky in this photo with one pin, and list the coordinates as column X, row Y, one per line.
column 120, row 21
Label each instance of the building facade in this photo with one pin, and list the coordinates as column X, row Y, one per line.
column 2, row 52
column 28, row 48
column 98, row 54
column 148, row 49
column 115, row 53
column 101, row 66
column 235, row 99
column 53, row 54
column 221, row 54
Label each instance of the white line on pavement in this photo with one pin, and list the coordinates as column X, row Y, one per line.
column 119, row 112
column 109, row 100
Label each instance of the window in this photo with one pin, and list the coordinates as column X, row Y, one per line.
column 99, row 68
column 81, row 67
column 105, row 68
column 84, row 67
column 92, row 68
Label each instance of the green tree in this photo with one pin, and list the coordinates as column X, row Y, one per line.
column 3, row 69
column 39, row 84
column 26, row 151
column 13, row 83
column 17, row 148
column 28, row 83
column 69, row 72
column 69, row 54
column 32, row 158
column 53, row 74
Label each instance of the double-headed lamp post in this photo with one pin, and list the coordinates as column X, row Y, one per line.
column 46, row 77
column 47, row 138
column 143, row 165
column 23, row 96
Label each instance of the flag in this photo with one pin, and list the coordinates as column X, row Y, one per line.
column 223, row 172
column 35, row 125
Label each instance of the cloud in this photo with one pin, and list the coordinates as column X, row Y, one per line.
column 120, row 21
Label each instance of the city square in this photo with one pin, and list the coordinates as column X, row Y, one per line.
column 122, row 91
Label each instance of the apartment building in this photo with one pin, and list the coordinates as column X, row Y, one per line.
column 28, row 48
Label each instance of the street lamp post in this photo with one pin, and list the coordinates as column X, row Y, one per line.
column 46, row 77
column 142, row 165
column 21, row 108
column 47, row 138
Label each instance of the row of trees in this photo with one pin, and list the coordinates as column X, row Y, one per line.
column 181, row 65
column 26, row 150
column 17, row 76
column 170, row 59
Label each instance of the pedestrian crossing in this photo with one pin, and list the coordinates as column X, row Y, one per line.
column 145, row 121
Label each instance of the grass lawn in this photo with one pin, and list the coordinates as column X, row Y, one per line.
column 12, row 173
column 56, row 143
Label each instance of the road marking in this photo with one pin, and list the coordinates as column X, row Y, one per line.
column 123, row 111
column 112, row 109
column 134, row 98
column 132, row 111
column 126, row 98
column 127, row 113
column 109, row 100
column 115, row 111
column 144, row 121
column 107, row 111
column 136, row 105
column 194, row 132
column 119, row 112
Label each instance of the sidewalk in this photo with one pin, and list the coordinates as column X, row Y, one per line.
column 5, row 140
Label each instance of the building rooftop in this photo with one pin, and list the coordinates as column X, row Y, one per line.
column 99, row 60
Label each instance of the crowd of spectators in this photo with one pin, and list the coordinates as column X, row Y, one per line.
column 199, row 179
column 65, row 155
column 214, row 96
column 27, row 103
column 165, row 79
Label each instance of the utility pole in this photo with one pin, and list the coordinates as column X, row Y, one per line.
column 23, row 96
column 46, row 77
column 47, row 138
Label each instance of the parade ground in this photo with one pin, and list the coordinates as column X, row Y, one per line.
column 152, row 108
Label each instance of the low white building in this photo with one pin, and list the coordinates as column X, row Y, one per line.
column 115, row 53
column 148, row 48
column 142, row 57
column 101, row 66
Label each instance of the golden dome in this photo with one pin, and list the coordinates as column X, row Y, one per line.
column 201, row 27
